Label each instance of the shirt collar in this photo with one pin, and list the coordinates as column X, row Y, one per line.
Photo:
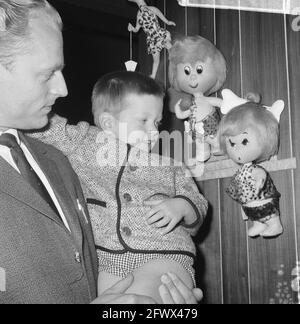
column 13, row 132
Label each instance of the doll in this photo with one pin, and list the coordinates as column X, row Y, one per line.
column 197, row 68
column 249, row 134
column 157, row 37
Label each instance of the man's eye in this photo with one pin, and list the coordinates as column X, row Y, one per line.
column 187, row 70
column 245, row 142
column 49, row 76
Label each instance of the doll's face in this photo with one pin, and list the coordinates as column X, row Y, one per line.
column 195, row 78
column 245, row 147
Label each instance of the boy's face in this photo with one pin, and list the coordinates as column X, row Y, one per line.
column 139, row 120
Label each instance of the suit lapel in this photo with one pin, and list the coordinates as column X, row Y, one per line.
column 13, row 184
column 55, row 178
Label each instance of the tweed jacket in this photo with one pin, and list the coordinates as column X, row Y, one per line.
column 117, row 179
column 41, row 262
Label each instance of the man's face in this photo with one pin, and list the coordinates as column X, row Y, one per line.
column 30, row 88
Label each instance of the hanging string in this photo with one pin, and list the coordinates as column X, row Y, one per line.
column 131, row 65
column 130, row 46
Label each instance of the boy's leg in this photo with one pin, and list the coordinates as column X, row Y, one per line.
column 147, row 278
column 106, row 281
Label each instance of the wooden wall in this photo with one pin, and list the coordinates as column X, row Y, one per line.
column 262, row 52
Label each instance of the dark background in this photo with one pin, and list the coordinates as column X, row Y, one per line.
column 96, row 41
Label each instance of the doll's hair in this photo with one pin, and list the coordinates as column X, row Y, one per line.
column 255, row 116
column 192, row 49
column 111, row 89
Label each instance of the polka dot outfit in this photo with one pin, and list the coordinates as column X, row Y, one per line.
column 157, row 37
column 243, row 190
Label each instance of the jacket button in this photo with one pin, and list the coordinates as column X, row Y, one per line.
column 127, row 197
column 77, row 257
column 133, row 168
column 126, row 231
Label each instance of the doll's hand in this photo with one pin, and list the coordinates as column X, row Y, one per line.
column 171, row 23
column 166, row 214
column 131, row 28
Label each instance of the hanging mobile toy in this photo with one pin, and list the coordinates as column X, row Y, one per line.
column 249, row 134
column 131, row 65
column 158, row 38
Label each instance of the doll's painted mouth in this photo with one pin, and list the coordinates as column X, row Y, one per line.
column 194, row 86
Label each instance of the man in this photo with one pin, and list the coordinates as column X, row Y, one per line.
column 47, row 250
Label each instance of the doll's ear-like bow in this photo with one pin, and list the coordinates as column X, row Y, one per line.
column 276, row 109
column 230, row 101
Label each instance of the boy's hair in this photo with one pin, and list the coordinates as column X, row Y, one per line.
column 191, row 49
column 111, row 89
column 255, row 116
column 15, row 17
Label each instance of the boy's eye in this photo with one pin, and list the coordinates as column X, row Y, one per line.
column 199, row 69
column 232, row 144
column 245, row 142
column 187, row 70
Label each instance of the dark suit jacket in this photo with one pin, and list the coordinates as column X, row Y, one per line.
column 43, row 261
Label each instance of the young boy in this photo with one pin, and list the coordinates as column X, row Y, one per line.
column 143, row 209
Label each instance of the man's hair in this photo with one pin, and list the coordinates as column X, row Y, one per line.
column 191, row 49
column 254, row 116
column 111, row 89
column 15, row 16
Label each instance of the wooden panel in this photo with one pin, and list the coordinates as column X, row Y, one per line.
column 264, row 71
column 209, row 261
column 234, row 238
column 201, row 22
column 293, row 47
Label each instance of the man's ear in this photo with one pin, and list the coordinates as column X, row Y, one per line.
column 107, row 121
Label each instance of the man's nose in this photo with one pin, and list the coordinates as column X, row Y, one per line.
column 59, row 87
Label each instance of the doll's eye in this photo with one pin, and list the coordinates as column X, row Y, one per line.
column 231, row 143
column 199, row 69
column 187, row 70
column 245, row 142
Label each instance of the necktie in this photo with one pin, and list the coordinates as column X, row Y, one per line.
column 25, row 168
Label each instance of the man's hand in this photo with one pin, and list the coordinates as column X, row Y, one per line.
column 116, row 294
column 174, row 291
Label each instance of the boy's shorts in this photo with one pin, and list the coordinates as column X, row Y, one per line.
column 122, row 265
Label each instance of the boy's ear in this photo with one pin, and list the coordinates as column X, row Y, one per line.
column 107, row 121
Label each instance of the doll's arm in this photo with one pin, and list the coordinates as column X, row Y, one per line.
column 181, row 114
column 136, row 28
column 216, row 102
column 260, row 176
column 161, row 16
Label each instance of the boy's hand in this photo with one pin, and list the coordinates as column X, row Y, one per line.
column 166, row 214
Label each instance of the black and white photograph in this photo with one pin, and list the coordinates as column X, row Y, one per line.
column 149, row 155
